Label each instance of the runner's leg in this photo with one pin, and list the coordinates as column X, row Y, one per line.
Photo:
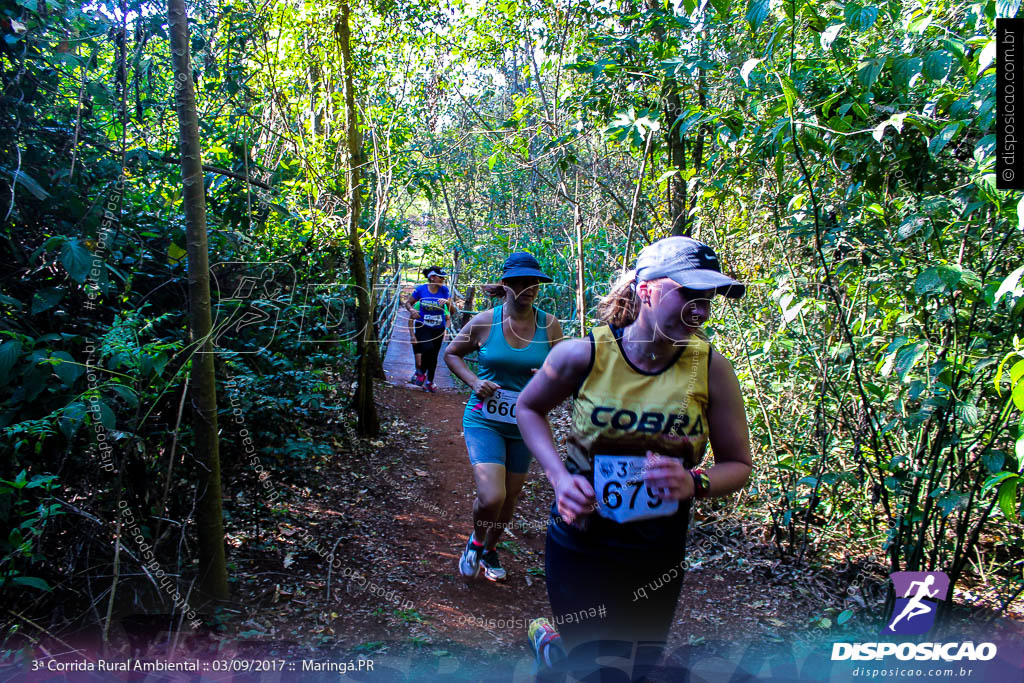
column 430, row 350
column 513, row 486
column 490, row 497
column 517, row 462
column 417, row 356
column 627, row 626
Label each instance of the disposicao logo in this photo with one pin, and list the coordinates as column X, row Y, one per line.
column 917, row 601
column 914, row 613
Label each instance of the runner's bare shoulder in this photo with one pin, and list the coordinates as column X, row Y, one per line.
column 474, row 333
column 569, row 361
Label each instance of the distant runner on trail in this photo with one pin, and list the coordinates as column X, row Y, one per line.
column 650, row 392
column 428, row 306
column 512, row 339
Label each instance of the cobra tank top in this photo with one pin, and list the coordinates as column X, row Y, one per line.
column 623, row 410
column 507, row 367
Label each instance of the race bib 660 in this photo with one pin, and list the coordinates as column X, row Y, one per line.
column 501, row 406
column 622, row 493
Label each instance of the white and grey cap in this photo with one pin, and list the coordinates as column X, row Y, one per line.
column 687, row 262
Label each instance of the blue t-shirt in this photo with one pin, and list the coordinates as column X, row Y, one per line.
column 431, row 312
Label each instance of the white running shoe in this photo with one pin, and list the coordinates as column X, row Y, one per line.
column 492, row 566
column 469, row 563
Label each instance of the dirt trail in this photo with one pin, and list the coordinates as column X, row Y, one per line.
column 395, row 512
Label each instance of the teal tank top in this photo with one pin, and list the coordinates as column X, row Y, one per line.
column 507, row 367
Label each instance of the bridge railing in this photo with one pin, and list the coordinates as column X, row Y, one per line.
column 390, row 298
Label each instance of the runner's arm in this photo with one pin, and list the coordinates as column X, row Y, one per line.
column 555, row 333
column 730, row 441
column 410, row 301
column 563, row 370
column 468, row 341
column 729, row 434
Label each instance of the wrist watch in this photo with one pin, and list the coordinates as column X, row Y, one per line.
column 701, row 483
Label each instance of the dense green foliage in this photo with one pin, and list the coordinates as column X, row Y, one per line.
column 840, row 157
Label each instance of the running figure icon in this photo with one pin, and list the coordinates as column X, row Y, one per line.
column 915, row 608
column 918, row 596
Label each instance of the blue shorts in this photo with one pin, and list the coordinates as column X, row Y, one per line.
column 488, row 446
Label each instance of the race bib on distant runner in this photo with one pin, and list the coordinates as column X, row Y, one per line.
column 501, row 406
column 432, row 319
column 622, row 494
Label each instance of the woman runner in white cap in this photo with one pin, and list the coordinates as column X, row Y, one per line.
column 650, row 395
column 428, row 306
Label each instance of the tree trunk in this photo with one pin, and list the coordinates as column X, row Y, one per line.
column 468, row 306
column 581, row 300
column 366, row 411
column 677, row 158
column 213, row 574
column 675, row 143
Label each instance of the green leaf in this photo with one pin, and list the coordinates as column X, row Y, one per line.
column 1018, row 396
column 844, row 617
column 828, row 36
column 10, row 352
column 71, row 418
column 31, row 582
column 67, row 370
column 939, row 142
column 999, row 372
column 967, row 412
column 910, row 226
column 920, row 22
column 28, row 182
column 937, row 64
column 969, row 279
column 936, row 279
column 757, row 12
column 1016, row 371
column 723, row 7
column 993, row 461
column 1008, row 285
column 860, row 18
column 996, row 480
column 1007, row 9
column 747, row 67
column 41, row 480
column 45, row 299
column 106, row 416
column 868, row 70
column 789, row 91
column 11, row 301
column 77, row 260
column 907, row 358
column 986, row 57
column 950, row 502
column 175, row 253
column 1008, row 497
column 126, row 393
column 905, row 70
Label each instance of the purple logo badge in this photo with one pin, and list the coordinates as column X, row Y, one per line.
column 917, row 600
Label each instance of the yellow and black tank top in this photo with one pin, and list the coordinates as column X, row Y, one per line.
column 621, row 409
